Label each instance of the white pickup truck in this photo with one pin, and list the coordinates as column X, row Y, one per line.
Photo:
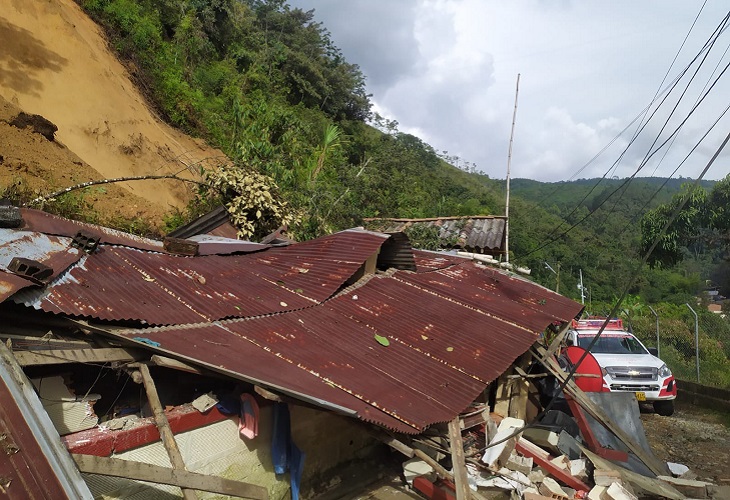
column 626, row 365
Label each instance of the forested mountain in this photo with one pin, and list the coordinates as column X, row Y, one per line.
column 265, row 83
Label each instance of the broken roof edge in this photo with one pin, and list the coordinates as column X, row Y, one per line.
column 41, row 427
column 397, row 424
column 44, row 222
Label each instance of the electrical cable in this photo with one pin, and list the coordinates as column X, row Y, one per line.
column 551, row 240
column 722, row 26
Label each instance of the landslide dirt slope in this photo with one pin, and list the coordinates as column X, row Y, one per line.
column 55, row 62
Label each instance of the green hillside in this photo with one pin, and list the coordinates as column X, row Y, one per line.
column 265, row 83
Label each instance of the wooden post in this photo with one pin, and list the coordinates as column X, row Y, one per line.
column 457, row 459
column 168, row 438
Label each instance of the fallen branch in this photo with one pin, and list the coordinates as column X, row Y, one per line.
column 47, row 197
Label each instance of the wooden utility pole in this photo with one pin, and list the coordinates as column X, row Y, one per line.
column 509, row 164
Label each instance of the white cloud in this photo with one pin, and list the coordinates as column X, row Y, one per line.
column 446, row 71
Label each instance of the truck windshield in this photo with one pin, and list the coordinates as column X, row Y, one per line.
column 612, row 345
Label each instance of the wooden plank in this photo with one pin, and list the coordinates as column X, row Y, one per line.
column 458, row 462
column 654, row 464
column 139, row 471
column 520, row 390
column 168, row 438
column 61, row 356
column 651, row 486
column 174, row 364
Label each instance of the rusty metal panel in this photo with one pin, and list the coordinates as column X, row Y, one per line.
column 397, row 253
column 431, row 261
column 120, row 283
column 231, row 347
column 442, row 349
column 497, row 293
column 117, row 283
column 475, row 343
column 33, row 462
column 43, row 222
column 52, row 251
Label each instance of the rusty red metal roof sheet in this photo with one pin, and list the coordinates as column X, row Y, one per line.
column 43, row 222
column 121, row 284
column 52, row 251
column 33, row 462
column 442, row 351
column 496, row 293
column 431, row 261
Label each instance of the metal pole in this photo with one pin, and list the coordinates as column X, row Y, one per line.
column 658, row 353
column 697, row 343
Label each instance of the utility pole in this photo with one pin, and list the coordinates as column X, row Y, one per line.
column 582, row 290
column 557, row 274
column 509, row 164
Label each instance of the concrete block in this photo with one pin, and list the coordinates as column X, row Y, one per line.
column 597, row 493
column 551, row 489
column 499, row 455
column 544, row 438
column 537, row 475
column 579, row 468
column 618, row 492
column 688, row 487
column 602, row 477
column 519, row 464
column 562, row 461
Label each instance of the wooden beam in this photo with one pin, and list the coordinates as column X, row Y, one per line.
column 461, row 479
column 168, row 438
column 174, row 364
column 139, row 471
column 60, row 356
column 410, row 452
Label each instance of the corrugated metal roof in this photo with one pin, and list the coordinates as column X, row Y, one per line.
column 203, row 224
column 123, row 284
column 33, row 462
column 442, row 350
column 42, row 222
column 218, row 245
column 452, row 326
column 481, row 234
column 52, row 251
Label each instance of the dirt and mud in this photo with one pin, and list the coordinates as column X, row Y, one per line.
column 696, row 437
column 56, row 63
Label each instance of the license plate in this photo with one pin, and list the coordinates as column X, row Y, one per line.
column 640, row 396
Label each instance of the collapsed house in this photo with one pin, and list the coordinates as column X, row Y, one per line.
column 211, row 366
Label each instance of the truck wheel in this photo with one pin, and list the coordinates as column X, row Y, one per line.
column 664, row 408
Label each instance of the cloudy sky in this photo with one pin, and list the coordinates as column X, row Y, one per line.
column 446, row 70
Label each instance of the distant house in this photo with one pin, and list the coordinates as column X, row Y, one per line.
column 478, row 234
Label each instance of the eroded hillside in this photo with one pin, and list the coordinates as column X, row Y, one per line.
column 56, row 63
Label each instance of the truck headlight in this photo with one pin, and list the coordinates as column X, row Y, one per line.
column 664, row 371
